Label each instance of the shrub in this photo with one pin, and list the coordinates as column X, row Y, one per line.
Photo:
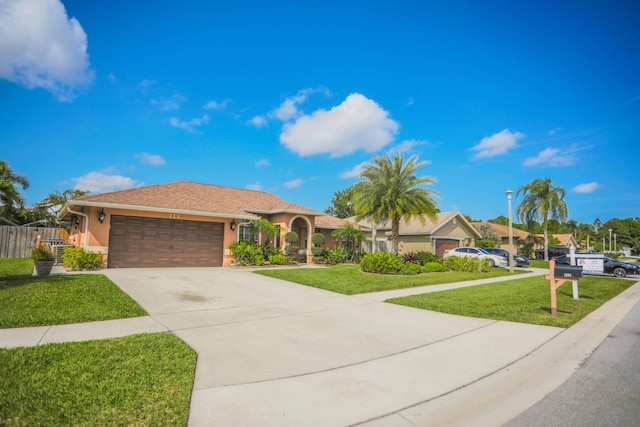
column 79, row 259
column 318, row 251
column 292, row 250
column 247, row 253
column 277, row 259
column 467, row 264
column 42, row 253
column 411, row 257
column 291, row 237
column 410, row 269
column 433, row 267
column 485, row 243
column 336, row 256
column 318, row 239
column 426, row 257
column 381, row 262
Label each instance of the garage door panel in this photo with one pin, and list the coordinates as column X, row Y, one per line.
column 157, row 242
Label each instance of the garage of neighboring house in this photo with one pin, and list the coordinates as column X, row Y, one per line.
column 158, row 242
column 443, row 245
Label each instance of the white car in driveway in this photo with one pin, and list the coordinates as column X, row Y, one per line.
column 494, row 260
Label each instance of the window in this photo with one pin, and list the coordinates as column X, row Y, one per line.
column 245, row 232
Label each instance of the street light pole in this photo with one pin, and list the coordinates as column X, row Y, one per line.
column 509, row 193
column 610, row 230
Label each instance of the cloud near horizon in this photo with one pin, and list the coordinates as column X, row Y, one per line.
column 496, row 144
column 151, row 159
column 358, row 123
column 100, row 182
column 586, row 188
column 41, row 47
column 190, row 125
column 293, row 183
column 552, row 157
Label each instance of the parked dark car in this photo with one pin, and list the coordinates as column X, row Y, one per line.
column 553, row 252
column 518, row 260
column 611, row 266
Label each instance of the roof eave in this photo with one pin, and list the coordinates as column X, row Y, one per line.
column 107, row 205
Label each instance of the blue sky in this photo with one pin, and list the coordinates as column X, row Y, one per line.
column 292, row 97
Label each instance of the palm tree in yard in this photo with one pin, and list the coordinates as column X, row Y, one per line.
column 390, row 191
column 10, row 198
column 542, row 201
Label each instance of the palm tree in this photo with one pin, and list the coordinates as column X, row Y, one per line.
column 542, row 201
column 391, row 191
column 10, row 198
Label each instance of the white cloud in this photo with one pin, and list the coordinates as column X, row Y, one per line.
column 112, row 78
column 353, row 173
column 255, row 186
column 289, row 108
column 147, row 84
column 169, row 104
column 586, row 188
column 258, row 121
column 151, row 159
column 262, row 162
column 100, row 182
column 215, row 105
column 41, row 47
column 407, row 145
column 293, row 183
column 551, row 157
column 357, row 124
column 190, row 125
column 496, row 144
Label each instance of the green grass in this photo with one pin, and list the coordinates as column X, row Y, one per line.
column 525, row 300
column 60, row 299
column 140, row 380
column 16, row 267
column 539, row 264
column 349, row 280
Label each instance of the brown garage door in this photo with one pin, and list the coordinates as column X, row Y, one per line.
column 445, row 244
column 156, row 242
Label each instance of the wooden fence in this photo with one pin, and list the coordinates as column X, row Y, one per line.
column 17, row 242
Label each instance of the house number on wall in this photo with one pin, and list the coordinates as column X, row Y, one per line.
column 174, row 216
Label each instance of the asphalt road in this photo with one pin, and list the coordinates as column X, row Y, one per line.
column 605, row 391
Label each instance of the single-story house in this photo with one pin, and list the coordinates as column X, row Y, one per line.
column 449, row 230
column 327, row 224
column 566, row 240
column 180, row 224
column 519, row 236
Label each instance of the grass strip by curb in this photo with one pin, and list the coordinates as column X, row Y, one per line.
column 141, row 380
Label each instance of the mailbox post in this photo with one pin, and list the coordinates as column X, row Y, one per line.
column 559, row 275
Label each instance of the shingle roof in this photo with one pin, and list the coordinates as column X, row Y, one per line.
column 190, row 196
column 327, row 221
column 503, row 230
column 415, row 226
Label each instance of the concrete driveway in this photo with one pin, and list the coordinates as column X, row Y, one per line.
column 273, row 353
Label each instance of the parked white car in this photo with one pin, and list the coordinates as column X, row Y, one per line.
column 494, row 260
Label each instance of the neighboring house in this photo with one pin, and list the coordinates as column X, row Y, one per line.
column 449, row 230
column 520, row 237
column 327, row 224
column 179, row 224
column 566, row 240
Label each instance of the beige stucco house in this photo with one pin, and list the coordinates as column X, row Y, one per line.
column 448, row 231
column 180, row 224
column 520, row 237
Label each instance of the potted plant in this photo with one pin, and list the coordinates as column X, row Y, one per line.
column 43, row 260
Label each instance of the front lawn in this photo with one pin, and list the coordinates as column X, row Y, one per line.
column 349, row 280
column 141, row 380
column 525, row 300
column 60, row 299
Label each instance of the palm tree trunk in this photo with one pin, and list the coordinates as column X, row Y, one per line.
column 395, row 235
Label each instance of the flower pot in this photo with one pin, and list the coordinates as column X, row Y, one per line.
column 43, row 267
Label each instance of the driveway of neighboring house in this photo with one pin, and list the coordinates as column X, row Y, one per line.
column 276, row 353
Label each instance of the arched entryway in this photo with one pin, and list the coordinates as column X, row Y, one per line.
column 301, row 225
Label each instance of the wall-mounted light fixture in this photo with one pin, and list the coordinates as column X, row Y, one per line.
column 101, row 216
column 233, row 225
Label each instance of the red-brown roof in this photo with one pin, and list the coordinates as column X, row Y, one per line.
column 327, row 221
column 187, row 196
